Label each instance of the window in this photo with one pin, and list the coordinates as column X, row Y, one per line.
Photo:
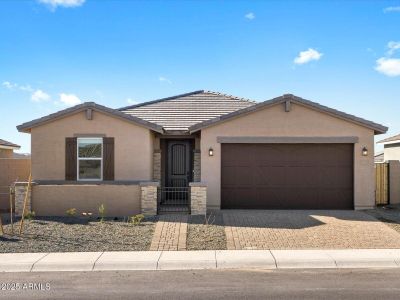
column 90, row 159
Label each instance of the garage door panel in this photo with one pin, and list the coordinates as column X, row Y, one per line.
column 335, row 177
column 270, row 153
column 237, row 156
column 287, row 176
column 241, row 198
column 302, row 176
column 238, row 176
column 269, row 175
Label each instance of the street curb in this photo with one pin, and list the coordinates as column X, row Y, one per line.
column 198, row 260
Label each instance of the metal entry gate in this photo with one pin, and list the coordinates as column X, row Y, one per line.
column 173, row 199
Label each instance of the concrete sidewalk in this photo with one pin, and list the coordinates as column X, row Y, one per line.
column 190, row 260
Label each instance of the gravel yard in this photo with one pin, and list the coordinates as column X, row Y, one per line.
column 389, row 216
column 206, row 237
column 65, row 234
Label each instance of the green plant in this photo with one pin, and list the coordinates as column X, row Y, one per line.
column 137, row 219
column 71, row 212
column 30, row 215
column 102, row 212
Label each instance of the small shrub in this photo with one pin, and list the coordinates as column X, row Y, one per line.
column 137, row 219
column 102, row 212
column 30, row 215
column 71, row 212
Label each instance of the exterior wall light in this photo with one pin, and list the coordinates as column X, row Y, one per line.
column 364, row 151
column 211, row 152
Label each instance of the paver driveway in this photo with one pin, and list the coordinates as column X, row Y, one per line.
column 306, row 229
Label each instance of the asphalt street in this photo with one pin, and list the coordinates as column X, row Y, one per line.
column 204, row 284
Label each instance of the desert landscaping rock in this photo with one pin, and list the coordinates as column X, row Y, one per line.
column 67, row 235
column 203, row 236
column 387, row 215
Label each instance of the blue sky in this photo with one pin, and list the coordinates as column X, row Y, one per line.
column 56, row 53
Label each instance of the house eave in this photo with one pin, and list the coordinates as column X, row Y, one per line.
column 4, row 147
column 390, row 143
column 26, row 127
column 378, row 128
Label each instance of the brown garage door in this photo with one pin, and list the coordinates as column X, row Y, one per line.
column 287, row 176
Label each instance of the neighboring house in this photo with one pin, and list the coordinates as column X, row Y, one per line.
column 379, row 157
column 13, row 167
column 7, row 149
column 391, row 148
column 284, row 153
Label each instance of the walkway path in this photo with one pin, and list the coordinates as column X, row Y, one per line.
column 170, row 233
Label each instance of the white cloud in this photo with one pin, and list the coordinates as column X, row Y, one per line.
column 307, row 56
column 393, row 46
column 391, row 9
column 25, row 88
column 69, row 99
column 388, row 66
column 9, row 85
column 40, row 96
column 164, row 79
column 37, row 95
column 250, row 16
column 53, row 4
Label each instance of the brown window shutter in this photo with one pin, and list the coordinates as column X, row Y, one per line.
column 108, row 158
column 70, row 158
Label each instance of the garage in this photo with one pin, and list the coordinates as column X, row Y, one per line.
column 287, row 176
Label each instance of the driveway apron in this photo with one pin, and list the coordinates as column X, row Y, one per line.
column 306, row 229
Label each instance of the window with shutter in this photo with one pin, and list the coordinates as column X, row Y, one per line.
column 70, row 158
column 108, row 158
column 90, row 159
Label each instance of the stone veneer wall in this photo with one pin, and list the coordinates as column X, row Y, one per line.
column 148, row 197
column 157, row 165
column 198, row 198
column 196, row 166
column 20, row 192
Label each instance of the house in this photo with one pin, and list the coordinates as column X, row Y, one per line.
column 7, row 149
column 379, row 157
column 391, row 148
column 13, row 167
column 202, row 150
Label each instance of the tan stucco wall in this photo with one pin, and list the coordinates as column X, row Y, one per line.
column 55, row 200
column 300, row 121
column 6, row 153
column 392, row 152
column 394, row 182
column 12, row 170
column 133, row 146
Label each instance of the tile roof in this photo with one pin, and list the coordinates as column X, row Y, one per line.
column 391, row 139
column 8, row 144
column 190, row 112
column 180, row 112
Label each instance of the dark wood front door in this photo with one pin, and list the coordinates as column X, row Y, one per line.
column 287, row 176
column 179, row 166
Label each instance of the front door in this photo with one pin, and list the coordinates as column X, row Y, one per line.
column 179, row 166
